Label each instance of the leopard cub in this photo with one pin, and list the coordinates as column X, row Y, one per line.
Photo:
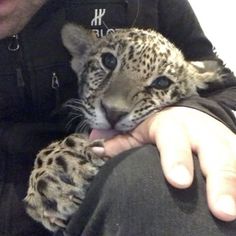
column 123, row 78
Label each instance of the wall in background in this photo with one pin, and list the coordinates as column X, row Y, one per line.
column 218, row 20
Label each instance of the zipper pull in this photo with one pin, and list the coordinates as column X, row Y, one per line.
column 14, row 44
column 55, row 85
column 55, row 81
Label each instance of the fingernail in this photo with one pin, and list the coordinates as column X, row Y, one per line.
column 226, row 204
column 100, row 151
column 181, row 176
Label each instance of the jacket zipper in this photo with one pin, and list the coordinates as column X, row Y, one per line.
column 14, row 47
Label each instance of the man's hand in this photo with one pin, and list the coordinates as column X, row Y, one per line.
column 178, row 132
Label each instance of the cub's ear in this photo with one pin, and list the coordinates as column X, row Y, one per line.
column 77, row 39
column 79, row 42
column 206, row 66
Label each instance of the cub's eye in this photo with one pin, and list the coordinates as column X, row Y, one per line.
column 161, row 82
column 109, row 60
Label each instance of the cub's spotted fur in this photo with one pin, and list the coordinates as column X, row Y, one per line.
column 122, row 79
column 60, row 178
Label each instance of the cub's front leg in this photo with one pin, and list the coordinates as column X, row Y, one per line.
column 61, row 176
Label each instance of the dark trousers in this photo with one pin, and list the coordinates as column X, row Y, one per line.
column 129, row 197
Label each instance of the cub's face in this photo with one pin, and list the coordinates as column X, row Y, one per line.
column 126, row 76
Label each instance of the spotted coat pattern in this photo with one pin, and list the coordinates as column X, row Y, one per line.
column 61, row 176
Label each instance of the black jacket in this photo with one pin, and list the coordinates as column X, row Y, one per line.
column 35, row 78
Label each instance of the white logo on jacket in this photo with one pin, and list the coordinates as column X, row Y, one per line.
column 98, row 21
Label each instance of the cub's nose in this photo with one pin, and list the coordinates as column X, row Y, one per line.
column 113, row 113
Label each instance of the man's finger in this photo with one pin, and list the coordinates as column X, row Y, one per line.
column 221, row 191
column 176, row 155
column 119, row 144
column 219, row 167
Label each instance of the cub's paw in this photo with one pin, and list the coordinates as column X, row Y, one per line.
column 60, row 179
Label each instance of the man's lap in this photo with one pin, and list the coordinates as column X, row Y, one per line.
column 128, row 197
column 131, row 197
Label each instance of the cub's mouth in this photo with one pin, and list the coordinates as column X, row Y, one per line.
column 103, row 134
